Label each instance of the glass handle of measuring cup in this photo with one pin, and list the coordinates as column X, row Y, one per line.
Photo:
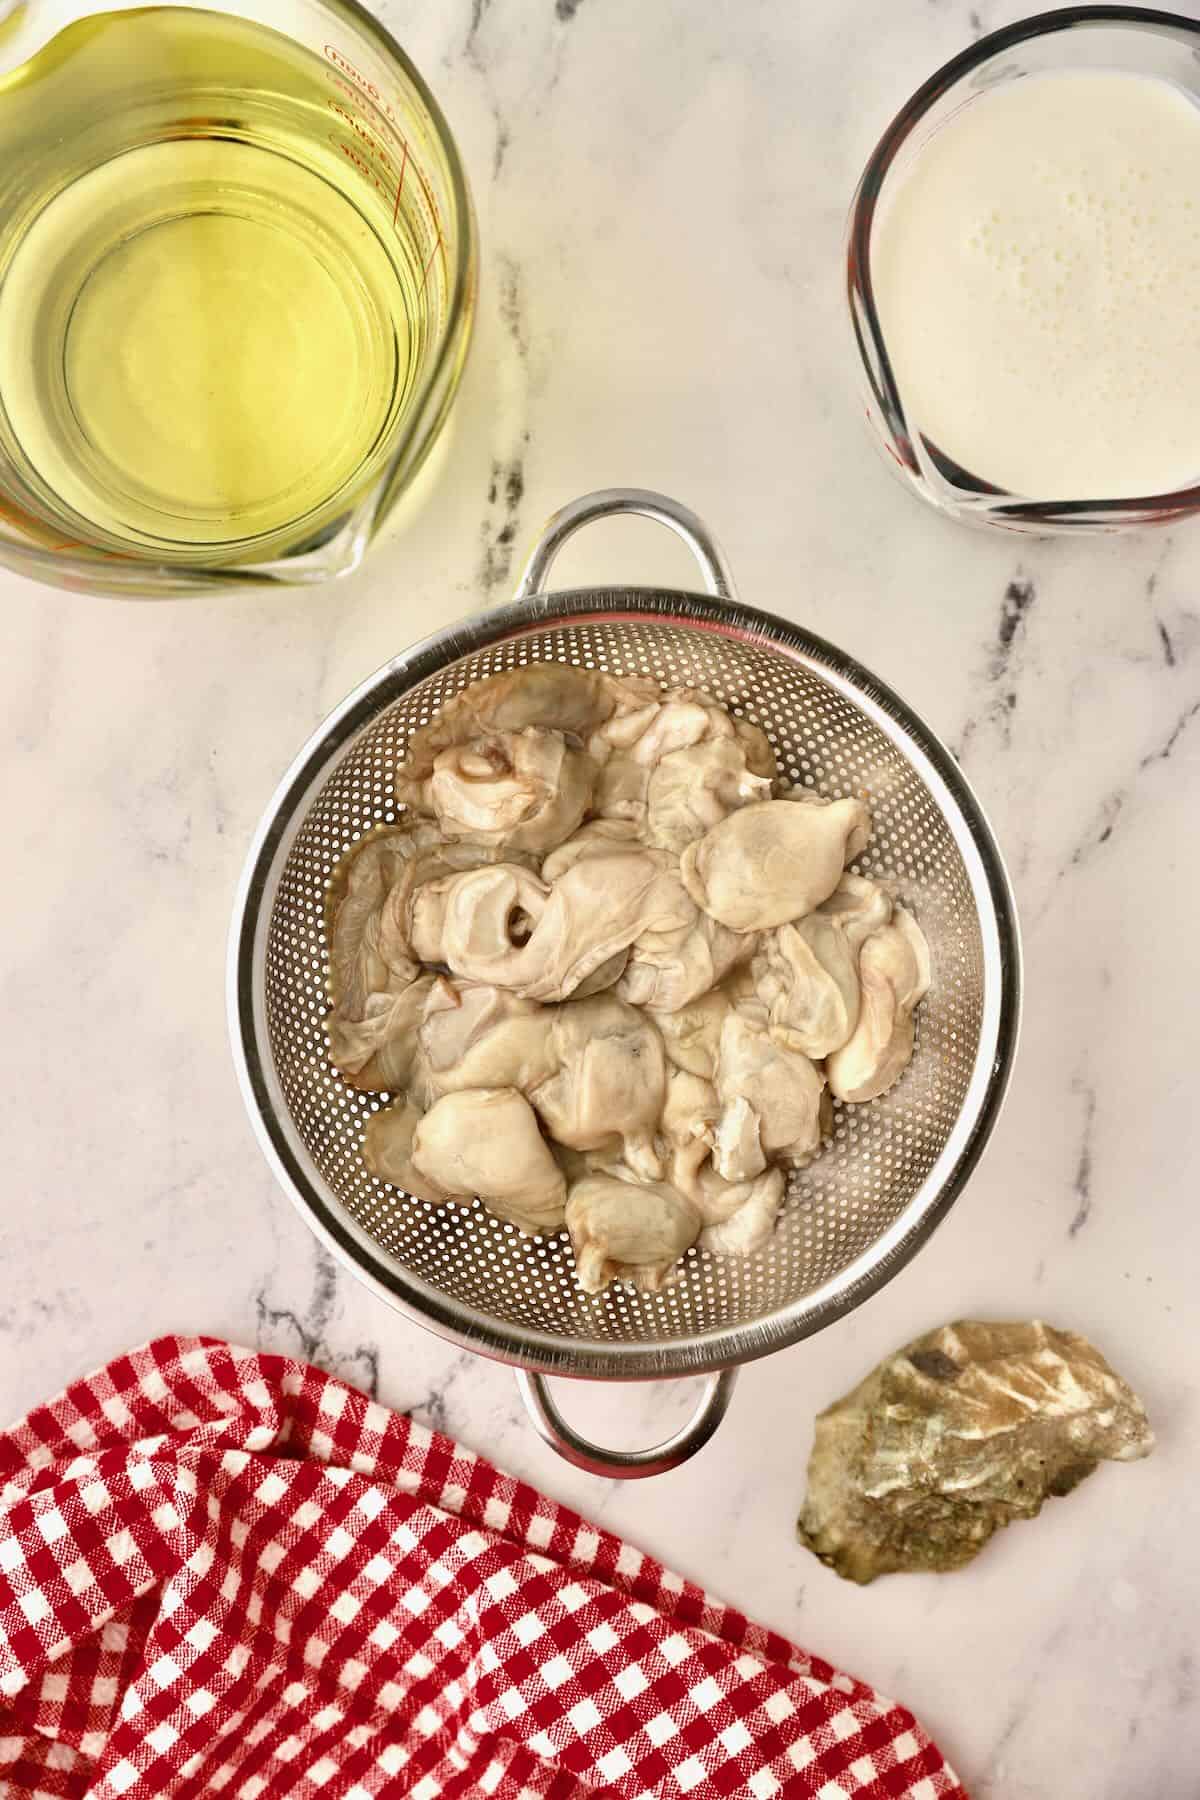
column 607, row 503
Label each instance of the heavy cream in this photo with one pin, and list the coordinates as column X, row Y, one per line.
column 1037, row 276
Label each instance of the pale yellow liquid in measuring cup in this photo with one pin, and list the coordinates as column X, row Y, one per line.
column 211, row 308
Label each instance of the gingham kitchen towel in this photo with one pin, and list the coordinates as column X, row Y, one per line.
column 223, row 1572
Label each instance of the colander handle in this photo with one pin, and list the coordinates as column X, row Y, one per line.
column 626, row 1465
column 606, row 503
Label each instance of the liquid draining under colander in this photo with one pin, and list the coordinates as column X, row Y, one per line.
column 855, row 1216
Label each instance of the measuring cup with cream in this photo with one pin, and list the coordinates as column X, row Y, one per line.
column 1024, row 275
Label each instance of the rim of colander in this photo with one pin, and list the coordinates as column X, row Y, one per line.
column 600, row 1357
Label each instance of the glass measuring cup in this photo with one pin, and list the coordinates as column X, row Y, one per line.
column 237, row 277
column 1128, row 40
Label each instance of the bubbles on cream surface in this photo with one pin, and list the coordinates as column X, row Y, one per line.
column 1036, row 268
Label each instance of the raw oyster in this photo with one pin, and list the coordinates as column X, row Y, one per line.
column 513, row 790
column 622, row 1230
column 774, row 860
column 964, row 1430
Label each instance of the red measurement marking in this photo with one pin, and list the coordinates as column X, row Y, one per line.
column 361, row 164
column 429, row 264
column 368, row 87
column 29, row 527
column 428, row 192
column 360, row 131
column 400, row 183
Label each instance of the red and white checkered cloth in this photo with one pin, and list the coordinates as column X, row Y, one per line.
column 223, row 1572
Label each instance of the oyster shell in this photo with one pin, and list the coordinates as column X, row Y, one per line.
column 959, row 1433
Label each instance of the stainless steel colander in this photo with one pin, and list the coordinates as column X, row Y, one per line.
column 855, row 1216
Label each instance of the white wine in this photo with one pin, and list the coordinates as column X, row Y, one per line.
column 211, row 310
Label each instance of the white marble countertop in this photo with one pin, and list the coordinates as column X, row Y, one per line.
column 661, row 193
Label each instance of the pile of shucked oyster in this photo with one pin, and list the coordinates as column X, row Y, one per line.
column 608, row 973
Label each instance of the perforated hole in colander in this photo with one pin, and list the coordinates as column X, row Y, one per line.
column 839, row 1207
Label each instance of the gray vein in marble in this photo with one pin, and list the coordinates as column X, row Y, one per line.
column 1016, row 1718
column 1030, row 1695
column 565, row 10
column 503, row 140
column 1166, row 641
column 434, row 1409
column 310, row 1327
column 1164, row 750
column 1168, row 646
column 498, row 532
column 1019, row 596
column 38, row 1314
column 322, row 659
column 506, row 487
column 1114, row 804
column 220, row 812
column 479, row 60
column 161, row 821
column 1183, row 1694
column 512, row 306
column 1015, row 606
column 1082, row 1184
